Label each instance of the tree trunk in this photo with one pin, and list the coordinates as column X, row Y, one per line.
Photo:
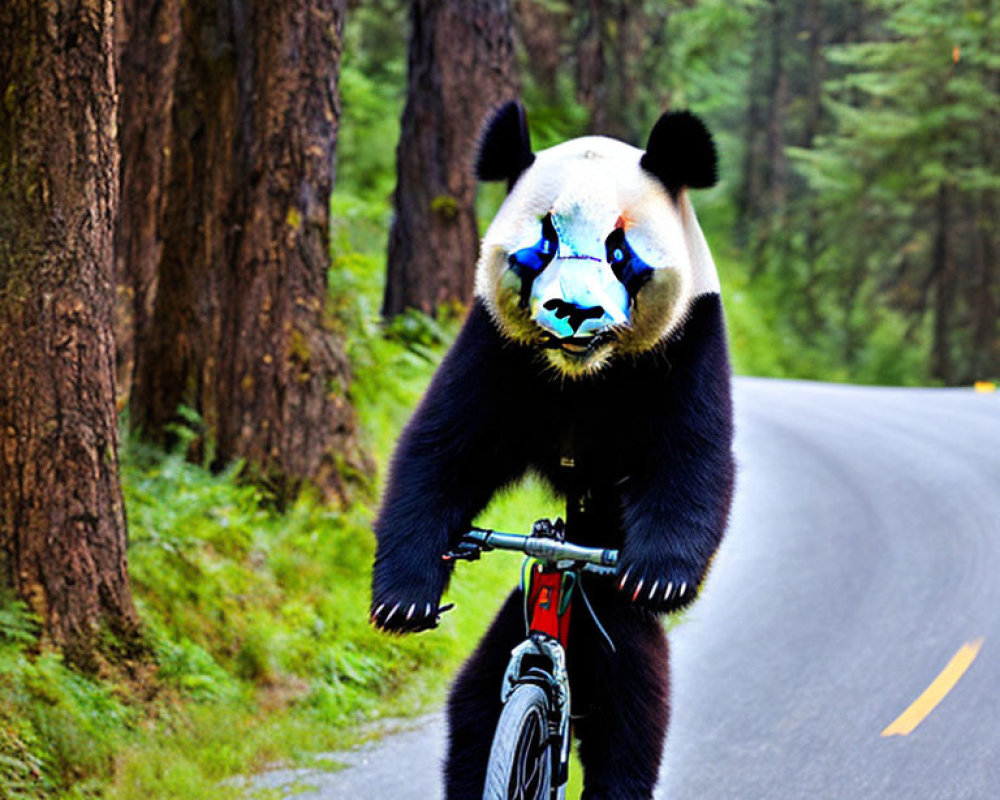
column 592, row 64
column 541, row 30
column 776, row 165
column 62, row 522
column 176, row 350
column 609, row 46
column 239, row 330
column 814, row 20
column 944, row 289
column 751, row 190
column 984, row 307
column 149, row 40
column 283, row 375
column 461, row 65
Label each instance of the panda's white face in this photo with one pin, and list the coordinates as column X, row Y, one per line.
column 590, row 256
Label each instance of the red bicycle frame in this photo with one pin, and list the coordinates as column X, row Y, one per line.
column 549, row 595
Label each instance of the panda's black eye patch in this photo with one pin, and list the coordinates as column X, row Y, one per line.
column 528, row 262
column 631, row 270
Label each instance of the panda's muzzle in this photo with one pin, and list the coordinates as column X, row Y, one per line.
column 575, row 317
column 577, row 299
column 576, row 287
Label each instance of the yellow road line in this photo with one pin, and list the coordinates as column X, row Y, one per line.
column 935, row 693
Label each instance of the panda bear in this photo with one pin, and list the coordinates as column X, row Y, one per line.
column 594, row 356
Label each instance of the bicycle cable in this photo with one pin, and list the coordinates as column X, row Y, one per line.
column 593, row 616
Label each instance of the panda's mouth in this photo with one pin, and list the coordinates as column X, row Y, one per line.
column 577, row 347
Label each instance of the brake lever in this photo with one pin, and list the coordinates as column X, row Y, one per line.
column 547, row 529
column 463, row 551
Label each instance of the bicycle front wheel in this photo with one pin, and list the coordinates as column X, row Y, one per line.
column 520, row 766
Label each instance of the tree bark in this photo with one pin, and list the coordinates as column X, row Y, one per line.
column 814, row 19
column 609, row 47
column 283, row 373
column 62, row 522
column 239, row 331
column 176, row 349
column 985, row 350
column 775, row 164
column 541, row 30
column 944, row 289
column 461, row 65
column 750, row 192
column 592, row 63
column 148, row 46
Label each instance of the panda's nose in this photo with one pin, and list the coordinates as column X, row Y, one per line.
column 578, row 297
column 574, row 314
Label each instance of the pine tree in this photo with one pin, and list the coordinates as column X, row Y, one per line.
column 908, row 183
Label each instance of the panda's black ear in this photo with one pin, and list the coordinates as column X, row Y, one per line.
column 680, row 152
column 504, row 146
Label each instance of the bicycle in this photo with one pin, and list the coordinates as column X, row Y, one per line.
column 529, row 759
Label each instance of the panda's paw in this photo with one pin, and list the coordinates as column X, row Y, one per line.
column 400, row 616
column 663, row 589
column 406, row 595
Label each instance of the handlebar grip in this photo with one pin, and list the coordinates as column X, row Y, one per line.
column 543, row 548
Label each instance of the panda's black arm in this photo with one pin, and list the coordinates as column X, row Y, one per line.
column 675, row 505
column 457, row 450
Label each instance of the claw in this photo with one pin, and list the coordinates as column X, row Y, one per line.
column 638, row 588
column 427, row 613
column 683, row 589
column 378, row 611
column 621, row 583
column 666, row 593
column 394, row 609
column 653, row 590
column 409, row 614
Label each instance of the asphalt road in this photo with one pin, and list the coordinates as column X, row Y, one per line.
column 861, row 573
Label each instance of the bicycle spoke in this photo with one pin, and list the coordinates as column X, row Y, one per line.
column 522, row 756
column 531, row 762
column 520, row 766
column 528, row 769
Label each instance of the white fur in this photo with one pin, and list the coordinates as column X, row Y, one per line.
column 597, row 179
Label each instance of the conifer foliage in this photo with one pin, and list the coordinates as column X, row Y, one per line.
column 885, row 227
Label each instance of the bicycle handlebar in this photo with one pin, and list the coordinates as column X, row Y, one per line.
column 593, row 559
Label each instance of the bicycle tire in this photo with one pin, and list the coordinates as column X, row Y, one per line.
column 520, row 765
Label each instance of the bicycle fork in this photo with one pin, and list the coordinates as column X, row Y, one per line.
column 541, row 658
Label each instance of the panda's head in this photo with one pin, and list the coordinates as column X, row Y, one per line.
column 596, row 251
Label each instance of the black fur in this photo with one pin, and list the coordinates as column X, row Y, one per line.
column 651, row 441
column 680, row 152
column 505, row 145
